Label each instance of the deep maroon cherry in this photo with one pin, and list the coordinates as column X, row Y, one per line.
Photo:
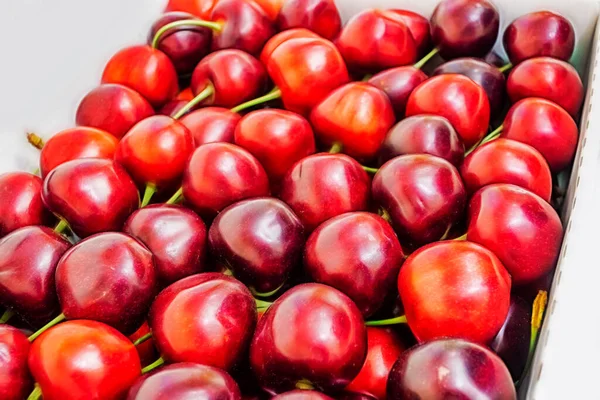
column 21, row 202
column 302, row 395
column 211, row 124
column 398, row 83
column 319, row 16
column 15, row 379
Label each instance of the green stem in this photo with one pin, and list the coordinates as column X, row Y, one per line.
column 539, row 307
column 8, row 314
column 35, row 140
column 148, row 193
column 367, row 77
column 267, row 294
column 427, row 57
column 386, row 322
column 385, row 215
column 143, row 339
column 272, row 95
column 336, row 148
column 61, row 226
column 370, row 170
column 208, row 91
column 36, row 393
column 177, row 197
column 49, row 325
column 215, row 26
column 304, row 384
column 463, row 237
column 495, row 134
column 154, row 365
column 262, row 304
column 505, row 67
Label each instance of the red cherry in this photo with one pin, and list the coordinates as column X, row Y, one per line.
column 173, row 107
column 302, row 395
column 281, row 37
column 186, row 94
column 545, row 126
column 521, row 228
column 145, row 70
column 312, row 333
column 322, row 186
column 76, row 143
column 357, row 253
column 457, row 98
column 113, row 108
column 419, row 28
column 206, row 319
column 146, row 350
column 507, row 161
column 376, row 39
column 21, row 202
column 199, row 8
column 15, row 380
column 270, row 7
column 355, row 396
column 548, row 78
column 398, row 83
column 211, row 124
column 384, row 348
column 92, row 195
column 537, row 34
column 319, row 16
column 220, row 174
column 84, row 359
column 454, row 289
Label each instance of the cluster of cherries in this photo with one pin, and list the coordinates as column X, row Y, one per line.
column 312, row 248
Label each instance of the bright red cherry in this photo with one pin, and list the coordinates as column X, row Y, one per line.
column 199, row 8
column 21, row 202
column 270, row 7
column 281, row 37
column 398, row 83
column 302, row 395
column 319, row 16
column 419, row 28
column 211, row 124
column 15, row 379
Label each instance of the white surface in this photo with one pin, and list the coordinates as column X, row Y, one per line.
column 53, row 53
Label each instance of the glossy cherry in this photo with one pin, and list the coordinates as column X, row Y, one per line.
column 271, row 7
column 146, row 70
column 92, row 195
column 457, row 98
column 302, row 395
column 322, row 186
column 541, row 33
column 261, row 240
column 146, row 350
column 521, row 228
column 423, row 195
column 94, row 361
column 423, row 134
column 15, row 379
column 357, row 253
column 207, row 319
column 319, row 16
column 356, row 117
column 419, row 28
column 176, row 237
column 507, row 161
column 76, row 143
column 354, row 396
column 398, row 83
column 451, row 368
column 281, row 37
column 314, row 334
column 545, row 126
column 548, row 78
column 464, row 28
column 113, row 108
column 21, row 202
column 211, row 124
column 376, row 39
column 28, row 259
column 199, row 8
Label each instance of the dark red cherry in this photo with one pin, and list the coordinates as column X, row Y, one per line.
column 211, row 124
column 15, row 379
column 21, row 202
column 398, row 83
column 319, row 16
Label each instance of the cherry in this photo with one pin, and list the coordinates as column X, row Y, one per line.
column 184, row 381
column 76, row 143
column 211, row 124
column 454, row 289
column 312, row 336
column 462, row 28
column 494, row 59
column 176, row 237
column 355, row 396
column 277, row 138
column 145, row 70
column 423, row 195
column 450, row 368
column 548, row 78
column 146, row 349
column 398, row 83
column 281, row 37
column 28, row 259
column 384, row 348
column 185, row 45
column 457, row 98
column 220, row 174
column 93, row 361
column 490, row 78
column 375, row 39
column 185, row 95
column 173, row 107
column 520, row 227
column 15, row 380
column 319, row 16
column 199, row 8
column 206, row 318
column 356, row 117
column 536, row 34
column 21, row 202
column 357, row 253
column 302, row 395
column 419, row 28
column 322, row 186
column 109, row 278
column 507, row 161
column 545, row 126
column 113, row 108
column 261, row 240
column 271, row 8
column 92, row 195
column 423, row 134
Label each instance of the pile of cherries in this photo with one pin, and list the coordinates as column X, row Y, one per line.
column 332, row 216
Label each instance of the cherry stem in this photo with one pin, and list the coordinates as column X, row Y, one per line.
column 154, row 365
column 336, row 148
column 177, row 197
column 36, row 393
column 148, row 193
column 215, row 26
column 460, row 238
column 143, row 339
column 425, row 59
column 208, row 91
column 495, row 134
column 505, row 67
column 382, row 212
column 304, row 384
column 35, row 140
column 367, row 77
column 272, row 95
column 385, row 322
column 49, row 325
column 267, row 294
column 61, row 226
column 8, row 314
column 537, row 314
column 370, row 170
column 262, row 304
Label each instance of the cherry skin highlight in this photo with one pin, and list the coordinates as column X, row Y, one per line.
column 21, row 202
column 15, row 379
column 398, row 83
column 211, row 124
column 319, row 16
